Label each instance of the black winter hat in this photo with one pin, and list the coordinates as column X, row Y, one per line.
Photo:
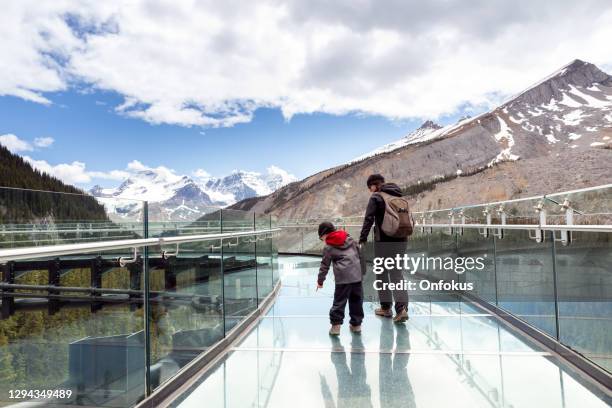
column 325, row 228
column 375, row 178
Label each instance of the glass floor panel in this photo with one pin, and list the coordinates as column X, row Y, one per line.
column 448, row 354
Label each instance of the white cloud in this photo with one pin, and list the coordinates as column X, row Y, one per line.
column 135, row 165
column 75, row 172
column 14, row 143
column 71, row 173
column 202, row 63
column 43, row 141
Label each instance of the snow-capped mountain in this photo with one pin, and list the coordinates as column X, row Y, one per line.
column 176, row 197
column 245, row 184
column 426, row 131
column 573, row 102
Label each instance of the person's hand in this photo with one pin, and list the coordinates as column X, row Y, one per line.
column 319, row 286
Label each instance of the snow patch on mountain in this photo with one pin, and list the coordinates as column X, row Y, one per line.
column 504, row 136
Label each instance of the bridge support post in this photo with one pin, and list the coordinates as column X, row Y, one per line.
column 54, row 280
column 169, row 275
column 96, row 282
column 8, row 302
column 135, row 270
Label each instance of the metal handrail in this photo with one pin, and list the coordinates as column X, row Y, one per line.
column 15, row 254
column 527, row 227
column 531, row 227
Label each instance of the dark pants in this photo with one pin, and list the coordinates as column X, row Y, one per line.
column 392, row 275
column 353, row 293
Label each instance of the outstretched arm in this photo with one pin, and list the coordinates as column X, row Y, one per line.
column 324, row 268
column 368, row 219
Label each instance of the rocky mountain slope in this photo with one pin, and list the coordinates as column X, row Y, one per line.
column 556, row 135
column 181, row 198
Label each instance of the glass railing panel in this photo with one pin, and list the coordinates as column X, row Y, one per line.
column 275, row 264
column 186, row 291
column 520, row 211
column 524, row 267
column 274, row 245
column 290, row 238
column 239, row 268
column 474, row 245
column 75, row 326
column 311, row 242
column 206, row 220
column 590, row 206
column 441, row 245
column 236, row 220
column 40, row 218
column 525, row 278
column 263, row 249
column 582, row 261
column 472, row 214
column 584, row 290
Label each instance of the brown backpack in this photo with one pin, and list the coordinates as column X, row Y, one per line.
column 397, row 221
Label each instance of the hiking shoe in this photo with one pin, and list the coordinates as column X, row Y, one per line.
column 383, row 312
column 355, row 329
column 401, row 316
column 335, row 330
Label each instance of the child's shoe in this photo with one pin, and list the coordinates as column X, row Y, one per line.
column 383, row 312
column 355, row 329
column 335, row 330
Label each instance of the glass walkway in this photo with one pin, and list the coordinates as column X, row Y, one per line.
column 448, row 354
column 223, row 311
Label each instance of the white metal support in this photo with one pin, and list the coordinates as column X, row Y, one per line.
column 502, row 214
column 233, row 244
column 565, row 236
column 123, row 261
column 485, row 231
column 538, row 234
column 166, row 254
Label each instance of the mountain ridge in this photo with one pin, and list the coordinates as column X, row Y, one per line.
column 563, row 122
column 180, row 197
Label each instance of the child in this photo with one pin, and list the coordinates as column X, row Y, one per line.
column 343, row 252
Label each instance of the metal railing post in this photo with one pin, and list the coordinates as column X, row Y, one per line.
column 147, row 301
column 223, row 302
column 255, row 253
column 555, row 282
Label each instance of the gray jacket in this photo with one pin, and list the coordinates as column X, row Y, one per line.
column 346, row 261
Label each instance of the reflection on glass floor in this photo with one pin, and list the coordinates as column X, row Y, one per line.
column 449, row 354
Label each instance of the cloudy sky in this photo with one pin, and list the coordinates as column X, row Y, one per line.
column 89, row 86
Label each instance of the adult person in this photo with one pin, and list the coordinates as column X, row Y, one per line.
column 385, row 246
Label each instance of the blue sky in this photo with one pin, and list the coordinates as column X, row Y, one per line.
column 86, row 128
column 276, row 84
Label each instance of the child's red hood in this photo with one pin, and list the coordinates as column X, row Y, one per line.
column 336, row 238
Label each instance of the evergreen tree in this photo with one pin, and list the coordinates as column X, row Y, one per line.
column 26, row 194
